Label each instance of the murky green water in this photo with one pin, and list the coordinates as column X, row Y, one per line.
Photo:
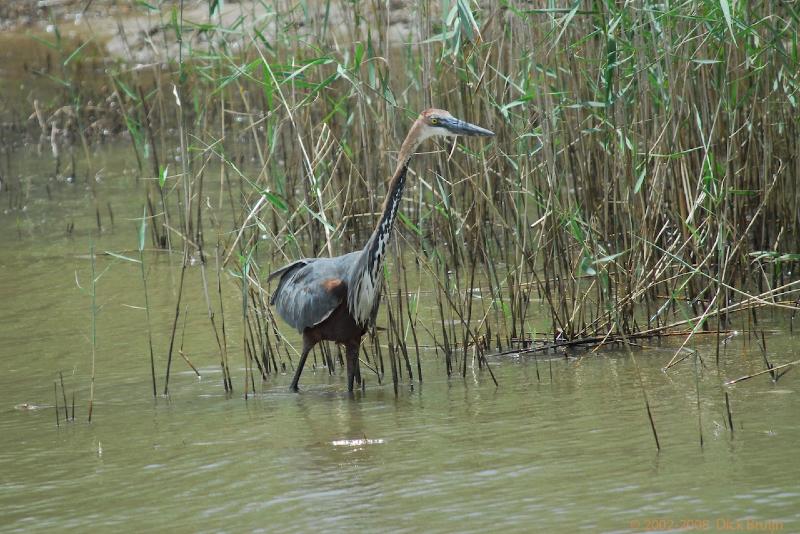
column 562, row 444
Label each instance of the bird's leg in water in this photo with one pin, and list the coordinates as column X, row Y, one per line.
column 358, row 365
column 353, row 367
column 307, row 346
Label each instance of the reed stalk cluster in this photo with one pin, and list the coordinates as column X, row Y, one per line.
column 643, row 181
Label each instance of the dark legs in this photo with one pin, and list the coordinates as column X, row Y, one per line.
column 353, row 366
column 307, row 346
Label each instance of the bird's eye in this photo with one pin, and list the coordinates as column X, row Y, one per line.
column 434, row 121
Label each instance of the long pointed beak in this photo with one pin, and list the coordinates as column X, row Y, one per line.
column 459, row 127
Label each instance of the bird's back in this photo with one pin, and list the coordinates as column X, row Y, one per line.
column 311, row 289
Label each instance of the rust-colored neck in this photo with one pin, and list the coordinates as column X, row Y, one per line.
column 395, row 191
column 376, row 246
column 363, row 284
column 410, row 144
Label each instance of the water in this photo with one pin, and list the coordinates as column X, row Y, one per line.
column 563, row 444
column 561, row 454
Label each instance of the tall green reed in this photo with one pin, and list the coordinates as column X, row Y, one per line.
column 642, row 180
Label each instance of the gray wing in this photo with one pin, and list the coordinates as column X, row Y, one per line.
column 310, row 290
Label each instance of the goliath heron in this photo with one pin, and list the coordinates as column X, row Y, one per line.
column 336, row 299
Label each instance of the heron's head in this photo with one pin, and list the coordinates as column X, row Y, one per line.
column 435, row 122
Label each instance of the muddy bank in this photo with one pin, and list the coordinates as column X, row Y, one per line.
column 39, row 14
column 141, row 35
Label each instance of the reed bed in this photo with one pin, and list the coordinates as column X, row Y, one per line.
column 643, row 181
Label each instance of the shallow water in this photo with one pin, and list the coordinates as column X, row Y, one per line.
column 563, row 443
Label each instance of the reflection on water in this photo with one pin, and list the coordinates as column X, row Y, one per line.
column 568, row 453
column 562, row 444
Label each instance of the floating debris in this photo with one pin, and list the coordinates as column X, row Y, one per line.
column 28, row 407
column 356, row 442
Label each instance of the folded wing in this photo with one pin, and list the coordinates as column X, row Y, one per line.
column 310, row 290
